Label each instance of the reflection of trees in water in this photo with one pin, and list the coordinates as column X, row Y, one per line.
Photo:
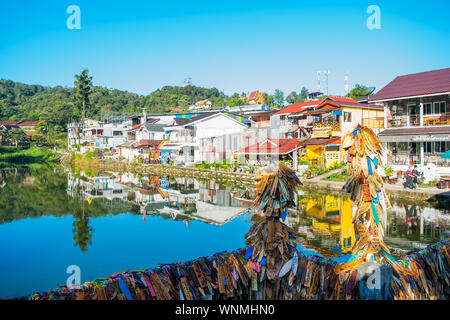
column 30, row 192
column 50, row 198
column 82, row 233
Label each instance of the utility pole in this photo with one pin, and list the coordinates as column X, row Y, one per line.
column 346, row 83
column 326, row 73
column 318, row 81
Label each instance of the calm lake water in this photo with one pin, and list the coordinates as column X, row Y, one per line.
column 110, row 222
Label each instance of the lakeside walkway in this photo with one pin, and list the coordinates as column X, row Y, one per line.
column 394, row 190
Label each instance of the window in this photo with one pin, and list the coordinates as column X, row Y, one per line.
column 427, row 147
column 427, row 108
column 347, row 116
column 439, row 147
column 394, row 147
column 439, row 107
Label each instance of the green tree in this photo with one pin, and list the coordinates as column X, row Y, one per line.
column 39, row 139
column 236, row 100
column 81, row 229
column 278, row 98
column 42, row 127
column 83, row 89
column 359, row 91
column 292, row 97
column 303, row 93
column 268, row 99
column 16, row 136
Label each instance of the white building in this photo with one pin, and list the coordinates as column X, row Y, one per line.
column 201, row 105
column 98, row 135
column 417, row 121
column 186, row 134
column 151, row 131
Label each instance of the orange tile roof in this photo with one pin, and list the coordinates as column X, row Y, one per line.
column 201, row 102
column 298, row 107
column 255, row 96
column 301, row 106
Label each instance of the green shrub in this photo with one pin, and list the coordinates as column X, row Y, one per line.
column 88, row 155
column 388, row 171
column 337, row 165
column 341, row 176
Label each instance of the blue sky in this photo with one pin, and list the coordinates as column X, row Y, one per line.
column 236, row 46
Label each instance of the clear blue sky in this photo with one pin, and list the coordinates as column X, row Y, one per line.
column 140, row 46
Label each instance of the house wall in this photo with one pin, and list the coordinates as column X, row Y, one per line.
column 216, row 126
column 217, row 138
column 315, row 155
column 357, row 118
column 223, row 146
column 144, row 134
column 275, row 124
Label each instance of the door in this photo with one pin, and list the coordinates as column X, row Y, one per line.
column 414, row 157
column 413, row 116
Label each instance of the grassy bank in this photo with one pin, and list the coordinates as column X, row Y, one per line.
column 338, row 176
column 12, row 157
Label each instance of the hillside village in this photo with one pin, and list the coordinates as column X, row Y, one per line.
column 411, row 115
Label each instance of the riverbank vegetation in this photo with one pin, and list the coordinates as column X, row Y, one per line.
column 338, row 176
column 14, row 157
column 314, row 170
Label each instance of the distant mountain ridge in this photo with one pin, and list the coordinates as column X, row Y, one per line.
column 55, row 105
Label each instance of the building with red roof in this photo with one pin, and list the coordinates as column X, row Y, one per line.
column 269, row 151
column 28, row 126
column 321, row 121
column 255, row 97
column 417, row 119
column 299, row 119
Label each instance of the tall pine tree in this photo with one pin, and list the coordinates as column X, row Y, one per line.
column 83, row 88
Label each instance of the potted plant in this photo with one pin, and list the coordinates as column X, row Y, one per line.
column 388, row 172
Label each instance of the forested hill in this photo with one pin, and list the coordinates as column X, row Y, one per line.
column 55, row 105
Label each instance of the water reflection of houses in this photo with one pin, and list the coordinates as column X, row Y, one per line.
column 331, row 222
column 409, row 224
column 328, row 221
column 96, row 187
column 176, row 198
column 215, row 193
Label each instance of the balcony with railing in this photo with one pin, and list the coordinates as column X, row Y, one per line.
column 286, row 125
column 442, row 119
column 399, row 121
column 326, row 128
column 373, row 123
column 308, row 122
column 181, row 139
column 404, row 158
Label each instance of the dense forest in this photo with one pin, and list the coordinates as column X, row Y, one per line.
column 56, row 105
